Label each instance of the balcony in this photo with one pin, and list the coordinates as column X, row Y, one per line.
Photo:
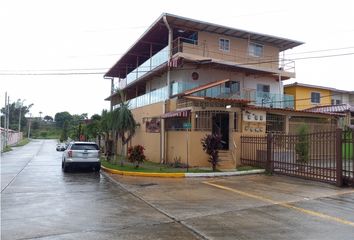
column 261, row 99
column 149, row 65
column 239, row 57
column 155, row 96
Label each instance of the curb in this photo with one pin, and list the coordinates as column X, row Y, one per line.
column 182, row 175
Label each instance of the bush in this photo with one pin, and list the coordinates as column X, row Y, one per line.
column 302, row 145
column 211, row 145
column 136, row 155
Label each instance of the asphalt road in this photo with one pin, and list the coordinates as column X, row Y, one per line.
column 39, row 201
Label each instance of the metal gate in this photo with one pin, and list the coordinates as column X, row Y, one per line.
column 321, row 156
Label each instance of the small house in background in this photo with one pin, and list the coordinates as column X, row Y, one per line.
column 347, row 110
column 310, row 96
column 185, row 78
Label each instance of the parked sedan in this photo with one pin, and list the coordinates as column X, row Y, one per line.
column 81, row 154
column 61, row 146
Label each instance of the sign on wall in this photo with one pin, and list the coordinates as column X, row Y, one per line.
column 153, row 125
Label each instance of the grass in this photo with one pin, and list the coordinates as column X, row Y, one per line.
column 7, row 149
column 149, row 167
column 23, row 142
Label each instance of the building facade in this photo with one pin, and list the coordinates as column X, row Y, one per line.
column 185, row 78
column 309, row 96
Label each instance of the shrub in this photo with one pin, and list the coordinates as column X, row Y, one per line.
column 136, row 154
column 302, row 145
column 211, row 143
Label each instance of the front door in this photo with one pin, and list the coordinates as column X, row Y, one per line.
column 221, row 126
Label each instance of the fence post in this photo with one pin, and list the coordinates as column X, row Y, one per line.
column 269, row 167
column 339, row 160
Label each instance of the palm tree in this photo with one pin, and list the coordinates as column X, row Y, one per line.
column 123, row 124
column 106, row 126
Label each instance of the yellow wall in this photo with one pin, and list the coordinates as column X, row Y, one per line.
column 300, row 92
column 150, row 141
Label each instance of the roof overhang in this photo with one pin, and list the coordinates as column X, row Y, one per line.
column 289, row 110
column 156, row 37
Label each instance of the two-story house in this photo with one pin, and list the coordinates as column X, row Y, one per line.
column 309, row 96
column 185, row 78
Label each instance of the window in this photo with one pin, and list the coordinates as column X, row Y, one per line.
column 315, row 97
column 235, row 122
column 224, row 44
column 176, row 124
column 336, row 101
column 263, row 88
column 275, row 123
column 255, row 50
column 232, row 87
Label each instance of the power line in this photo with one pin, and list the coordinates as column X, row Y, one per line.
column 321, row 50
column 92, row 73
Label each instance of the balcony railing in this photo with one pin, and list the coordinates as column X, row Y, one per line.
column 261, row 99
column 150, row 64
column 155, row 96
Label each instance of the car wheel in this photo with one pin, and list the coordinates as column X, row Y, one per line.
column 98, row 168
column 65, row 167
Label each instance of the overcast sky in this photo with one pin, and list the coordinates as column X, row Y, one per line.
column 63, row 35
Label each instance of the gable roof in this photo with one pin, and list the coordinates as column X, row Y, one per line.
column 296, row 84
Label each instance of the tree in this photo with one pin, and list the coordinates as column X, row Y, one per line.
column 93, row 128
column 15, row 115
column 106, row 127
column 211, row 144
column 64, row 133
column 123, row 123
column 61, row 117
column 48, row 118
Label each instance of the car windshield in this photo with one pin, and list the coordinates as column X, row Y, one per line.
column 84, row 147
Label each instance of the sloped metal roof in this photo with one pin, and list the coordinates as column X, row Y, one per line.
column 157, row 34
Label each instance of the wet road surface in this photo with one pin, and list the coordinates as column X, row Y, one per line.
column 39, row 201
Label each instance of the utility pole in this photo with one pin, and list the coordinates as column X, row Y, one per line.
column 8, row 118
column 19, row 118
column 29, row 127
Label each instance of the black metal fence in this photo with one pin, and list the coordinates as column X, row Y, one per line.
column 321, row 156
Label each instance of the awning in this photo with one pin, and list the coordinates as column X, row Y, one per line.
column 177, row 113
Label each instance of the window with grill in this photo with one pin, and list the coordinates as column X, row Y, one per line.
column 275, row 123
column 176, row 124
column 315, row 97
column 235, row 122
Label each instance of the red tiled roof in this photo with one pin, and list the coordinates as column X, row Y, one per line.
column 226, row 100
column 332, row 108
column 294, row 111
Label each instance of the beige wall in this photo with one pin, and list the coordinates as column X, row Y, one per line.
column 150, row 141
column 208, row 46
column 207, row 75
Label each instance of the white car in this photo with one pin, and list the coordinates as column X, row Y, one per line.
column 81, row 154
